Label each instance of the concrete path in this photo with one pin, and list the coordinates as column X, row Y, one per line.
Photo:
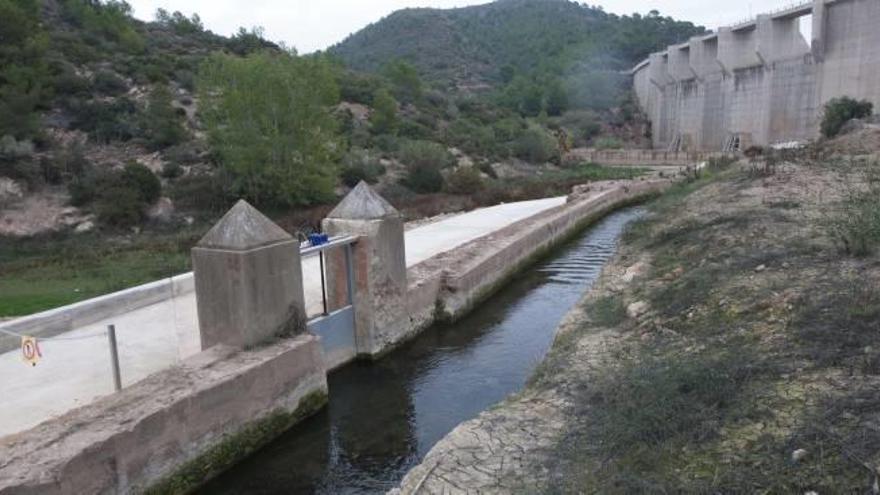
column 75, row 367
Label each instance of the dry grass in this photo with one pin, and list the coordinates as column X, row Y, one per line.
column 762, row 339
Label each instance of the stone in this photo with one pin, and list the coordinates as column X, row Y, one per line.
column 10, row 190
column 248, row 280
column 760, row 268
column 363, row 203
column 637, row 309
column 84, row 227
column 243, row 227
column 799, row 455
column 162, row 210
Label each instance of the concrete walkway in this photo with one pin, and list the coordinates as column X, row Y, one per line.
column 75, row 368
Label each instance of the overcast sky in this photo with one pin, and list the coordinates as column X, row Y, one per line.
column 310, row 25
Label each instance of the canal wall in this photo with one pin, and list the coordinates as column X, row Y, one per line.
column 761, row 82
column 450, row 285
column 173, row 429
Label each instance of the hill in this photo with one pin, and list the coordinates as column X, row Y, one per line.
column 486, row 44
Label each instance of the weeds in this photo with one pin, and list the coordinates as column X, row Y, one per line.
column 607, row 311
column 854, row 223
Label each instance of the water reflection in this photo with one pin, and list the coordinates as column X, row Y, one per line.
column 383, row 417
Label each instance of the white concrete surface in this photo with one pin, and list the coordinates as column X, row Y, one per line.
column 75, row 367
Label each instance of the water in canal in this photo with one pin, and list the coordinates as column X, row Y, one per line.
column 383, row 417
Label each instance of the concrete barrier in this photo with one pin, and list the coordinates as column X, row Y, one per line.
column 449, row 285
column 173, row 430
column 66, row 318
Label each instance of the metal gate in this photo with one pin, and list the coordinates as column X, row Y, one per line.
column 335, row 326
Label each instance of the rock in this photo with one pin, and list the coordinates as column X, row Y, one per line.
column 760, row 268
column 84, row 227
column 798, row 455
column 162, row 211
column 10, row 191
column 189, row 220
column 637, row 309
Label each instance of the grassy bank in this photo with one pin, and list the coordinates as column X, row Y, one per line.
column 43, row 273
column 746, row 356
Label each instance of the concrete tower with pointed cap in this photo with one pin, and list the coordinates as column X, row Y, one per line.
column 379, row 266
column 248, row 279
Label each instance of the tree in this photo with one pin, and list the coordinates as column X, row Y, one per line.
column 383, row 119
column 406, row 81
column 161, row 123
column 24, row 75
column 557, row 98
column 269, row 120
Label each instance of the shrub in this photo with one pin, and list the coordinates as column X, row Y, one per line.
column 582, row 125
column 839, row 111
column 161, row 122
column 171, row 170
column 424, row 160
column 120, row 206
column 360, row 165
column 536, row 146
column 607, row 143
column 108, row 83
column 141, row 179
column 105, row 121
column 465, row 180
column 855, row 223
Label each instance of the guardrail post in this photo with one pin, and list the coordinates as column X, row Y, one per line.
column 114, row 358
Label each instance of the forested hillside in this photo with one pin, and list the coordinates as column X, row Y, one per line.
column 492, row 43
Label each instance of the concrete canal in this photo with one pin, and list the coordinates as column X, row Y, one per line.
column 384, row 416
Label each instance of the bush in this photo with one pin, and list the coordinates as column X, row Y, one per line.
column 171, row 170
column 608, row 143
column 161, row 122
column 839, row 111
column 536, row 146
column 424, row 160
column 855, row 223
column 108, row 83
column 360, row 165
column 120, row 206
column 119, row 197
column 105, row 121
column 465, row 180
column 141, row 179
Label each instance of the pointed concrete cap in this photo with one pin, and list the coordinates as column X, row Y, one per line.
column 363, row 203
column 243, row 227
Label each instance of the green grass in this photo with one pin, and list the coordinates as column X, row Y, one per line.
column 41, row 274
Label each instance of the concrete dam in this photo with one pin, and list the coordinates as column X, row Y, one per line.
column 761, row 82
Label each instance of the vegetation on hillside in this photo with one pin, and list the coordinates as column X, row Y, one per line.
column 138, row 128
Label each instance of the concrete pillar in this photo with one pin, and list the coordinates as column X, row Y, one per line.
column 820, row 26
column 737, row 49
column 379, row 266
column 658, row 70
column 704, row 56
column 680, row 62
column 779, row 39
column 248, row 280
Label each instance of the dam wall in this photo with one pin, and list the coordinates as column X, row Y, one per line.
column 761, row 82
